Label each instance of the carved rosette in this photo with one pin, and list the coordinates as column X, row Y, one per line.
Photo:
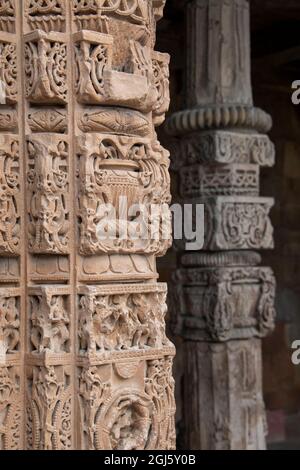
column 222, row 301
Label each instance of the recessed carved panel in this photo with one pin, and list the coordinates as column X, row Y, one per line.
column 9, row 195
column 9, row 322
column 224, row 303
column 8, row 72
column 48, row 120
column 45, row 69
column 121, row 321
column 112, row 168
column 7, row 16
column 49, row 408
column 10, row 409
column 49, row 320
column 129, row 406
column 48, row 194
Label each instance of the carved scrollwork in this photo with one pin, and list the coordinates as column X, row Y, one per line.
column 48, row 194
column 134, row 10
column 49, row 408
column 10, row 409
column 47, row 15
column 111, row 168
column 7, row 16
column 9, row 196
column 45, row 69
column 8, row 72
column 222, row 304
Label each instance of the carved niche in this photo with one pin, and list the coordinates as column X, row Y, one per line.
column 45, row 68
column 9, row 322
column 49, row 318
column 9, row 195
column 48, row 194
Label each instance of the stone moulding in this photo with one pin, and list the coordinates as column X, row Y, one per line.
column 222, row 304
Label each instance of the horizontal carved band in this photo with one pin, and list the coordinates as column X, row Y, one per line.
column 218, row 117
column 227, row 180
column 224, row 147
column 127, row 318
column 223, row 303
column 230, row 258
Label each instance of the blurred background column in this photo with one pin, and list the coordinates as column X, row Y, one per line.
column 223, row 299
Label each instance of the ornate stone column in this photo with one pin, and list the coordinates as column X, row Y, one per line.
column 83, row 312
column 223, row 299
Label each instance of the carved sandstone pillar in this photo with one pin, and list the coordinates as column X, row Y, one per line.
column 82, row 330
column 223, row 299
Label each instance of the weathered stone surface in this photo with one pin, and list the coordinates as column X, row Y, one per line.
column 83, row 346
column 222, row 302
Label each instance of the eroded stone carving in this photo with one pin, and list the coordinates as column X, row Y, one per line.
column 10, row 409
column 122, row 321
column 7, row 16
column 49, row 408
column 45, row 68
column 47, row 15
column 110, row 168
column 50, row 120
column 8, row 71
column 48, row 201
column 9, row 195
column 49, row 320
column 9, row 322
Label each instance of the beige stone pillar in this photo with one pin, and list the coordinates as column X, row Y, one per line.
column 82, row 331
column 223, row 298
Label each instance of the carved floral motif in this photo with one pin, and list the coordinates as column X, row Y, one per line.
column 47, row 15
column 8, row 72
column 45, row 69
column 49, row 408
column 10, row 409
